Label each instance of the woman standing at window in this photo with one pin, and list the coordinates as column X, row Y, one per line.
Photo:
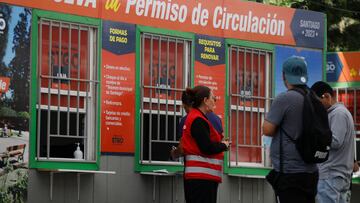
column 203, row 149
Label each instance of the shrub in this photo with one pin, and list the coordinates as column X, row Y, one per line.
column 23, row 114
column 7, row 112
column 14, row 192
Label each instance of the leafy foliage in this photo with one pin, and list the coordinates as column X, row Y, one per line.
column 23, row 114
column 7, row 112
column 5, row 197
column 19, row 189
column 14, row 187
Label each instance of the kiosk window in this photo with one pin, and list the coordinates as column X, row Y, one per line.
column 67, row 77
column 351, row 99
column 165, row 64
column 249, row 88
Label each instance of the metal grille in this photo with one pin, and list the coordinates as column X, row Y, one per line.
column 67, row 90
column 165, row 64
column 351, row 99
column 250, row 92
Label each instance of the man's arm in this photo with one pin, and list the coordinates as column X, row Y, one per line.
column 269, row 129
column 275, row 115
column 338, row 126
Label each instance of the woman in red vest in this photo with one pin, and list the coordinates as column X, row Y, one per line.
column 203, row 149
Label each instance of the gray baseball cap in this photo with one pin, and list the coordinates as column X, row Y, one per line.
column 295, row 70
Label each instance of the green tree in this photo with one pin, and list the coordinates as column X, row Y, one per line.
column 20, row 64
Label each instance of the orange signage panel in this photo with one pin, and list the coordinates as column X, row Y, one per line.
column 343, row 67
column 4, row 84
column 222, row 18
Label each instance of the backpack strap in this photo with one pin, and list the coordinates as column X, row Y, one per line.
column 303, row 90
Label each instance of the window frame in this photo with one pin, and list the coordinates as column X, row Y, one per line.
column 346, row 90
column 34, row 161
column 141, row 167
column 245, row 171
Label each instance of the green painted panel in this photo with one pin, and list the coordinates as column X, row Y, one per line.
column 253, row 45
column 66, row 17
column 65, row 165
column 356, row 180
column 344, row 84
column 249, row 171
column 324, row 50
column 150, row 168
column 137, row 102
column 161, row 31
column 33, row 90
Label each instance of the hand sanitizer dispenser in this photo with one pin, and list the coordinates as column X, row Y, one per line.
column 78, row 154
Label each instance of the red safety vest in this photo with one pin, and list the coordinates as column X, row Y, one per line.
column 197, row 164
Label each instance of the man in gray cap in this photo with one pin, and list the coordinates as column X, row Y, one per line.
column 292, row 179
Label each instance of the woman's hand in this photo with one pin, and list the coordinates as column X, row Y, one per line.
column 176, row 152
column 227, row 143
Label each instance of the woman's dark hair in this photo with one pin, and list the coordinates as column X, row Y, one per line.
column 197, row 95
column 186, row 99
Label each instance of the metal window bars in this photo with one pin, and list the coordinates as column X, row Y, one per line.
column 350, row 98
column 68, row 83
column 250, row 72
column 165, row 73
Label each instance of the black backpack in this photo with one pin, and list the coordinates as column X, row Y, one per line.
column 314, row 142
